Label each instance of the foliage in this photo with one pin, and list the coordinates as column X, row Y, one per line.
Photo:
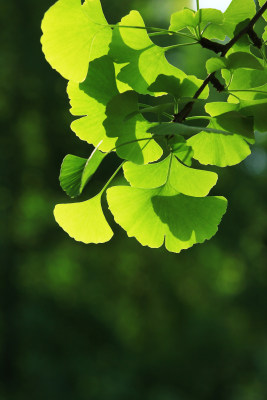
column 110, row 69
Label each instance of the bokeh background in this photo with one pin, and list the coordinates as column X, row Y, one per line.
column 117, row 321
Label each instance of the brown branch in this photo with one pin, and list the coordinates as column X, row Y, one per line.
column 181, row 116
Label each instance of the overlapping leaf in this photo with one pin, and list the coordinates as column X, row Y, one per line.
column 89, row 100
column 130, row 132
column 224, row 149
column 185, row 180
column 145, row 61
column 74, row 35
column 234, row 61
column 76, row 172
column 209, row 20
column 155, row 216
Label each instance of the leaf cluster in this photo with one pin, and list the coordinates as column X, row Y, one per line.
column 110, row 68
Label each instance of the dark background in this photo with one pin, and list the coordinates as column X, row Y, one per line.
column 117, row 321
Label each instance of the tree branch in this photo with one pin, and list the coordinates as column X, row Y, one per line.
column 181, row 116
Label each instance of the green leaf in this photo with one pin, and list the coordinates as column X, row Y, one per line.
column 235, row 60
column 215, row 64
column 181, row 150
column 155, row 216
column 256, row 109
column 261, row 3
column 117, row 125
column 76, row 172
column 182, row 19
column 70, row 174
column 237, row 124
column 74, row 35
column 241, row 59
column 238, row 11
column 145, row 61
column 89, row 100
column 85, row 221
column 245, row 78
column 224, row 149
column 173, row 86
column 185, row 180
column 264, row 36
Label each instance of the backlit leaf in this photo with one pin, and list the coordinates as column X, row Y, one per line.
column 125, row 130
column 189, row 181
column 85, row 221
column 145, row 61
column 89, row 100
column 155, row 216
column 74, row 35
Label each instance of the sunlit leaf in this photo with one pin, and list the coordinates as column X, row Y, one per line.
column 224, row 149
column 85, row 221
column 155, row 216
column 74, row 35
column 235, row 60
column 238, row 11
column 89, row 100
column 189, row 181
column 145, row 61
column 261, row 3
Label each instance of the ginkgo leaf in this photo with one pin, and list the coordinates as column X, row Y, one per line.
column 172, row 85
column 182, row 150
column 89, row 100
column 145, row 61
column 74, row 35
column 223, row 149
column 243, row 78
column 231, row 123
column 76, row 172
column 130, row 132
column 261, row 3
column 256, row 109
column 208, row 19
column 182, row 19
column 153, row 216
column 185, row 180
column 250, row 104
column 235, row 60
column 70, row 174
column 238, row 11
column 85, row 221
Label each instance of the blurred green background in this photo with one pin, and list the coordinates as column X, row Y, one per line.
column 117, row 321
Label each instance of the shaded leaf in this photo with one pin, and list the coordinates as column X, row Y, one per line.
column 125, row 130
column 76, row 172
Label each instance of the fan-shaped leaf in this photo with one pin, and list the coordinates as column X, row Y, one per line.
column 189, row 181
column 145, row 61
column 89, row 100
column 74, row 35
column 85, row 221
column 132, row 130
column 153, row 216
